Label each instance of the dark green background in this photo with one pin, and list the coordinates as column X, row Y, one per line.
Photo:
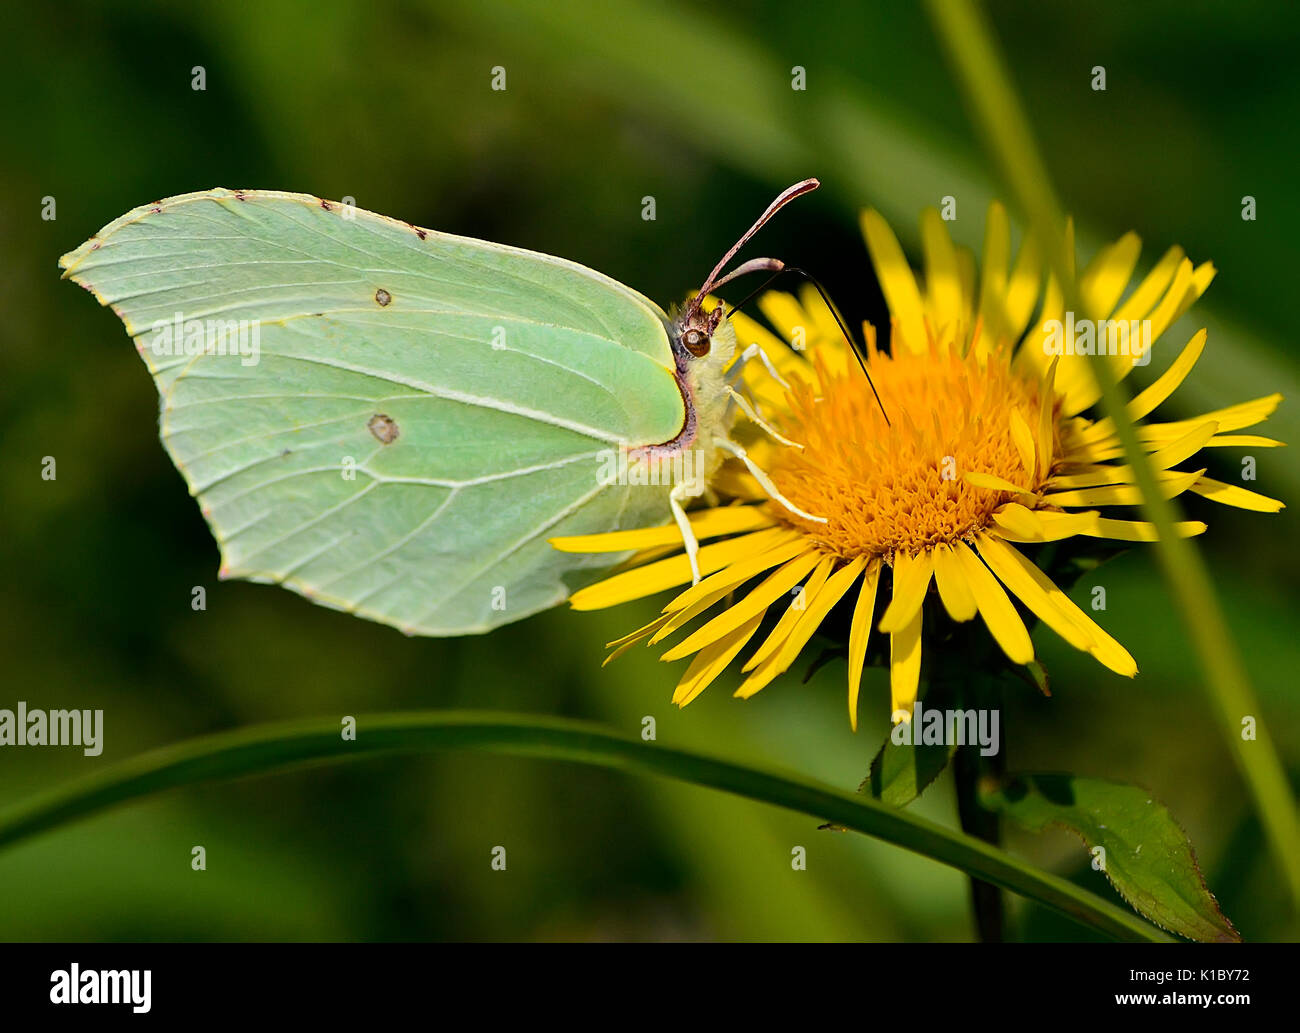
column 389, row 102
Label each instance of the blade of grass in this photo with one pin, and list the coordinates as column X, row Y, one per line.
column 275, row 747
column 968, row 40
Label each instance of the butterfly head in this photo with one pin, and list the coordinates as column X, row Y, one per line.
column 701, row 338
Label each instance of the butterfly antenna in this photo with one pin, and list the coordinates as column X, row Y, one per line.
column 779, row 269
column 782, row 199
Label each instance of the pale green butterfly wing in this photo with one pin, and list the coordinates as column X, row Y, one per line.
column 412, row 414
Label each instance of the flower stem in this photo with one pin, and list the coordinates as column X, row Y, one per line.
column 986, row 899
column 979, row 688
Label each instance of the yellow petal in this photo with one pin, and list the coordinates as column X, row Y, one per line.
column 1004, row 624
column 801, row 329
column 767, row 391
column 756, row 602
column 1171, row 308
column 1022, row 290
column 1205, row 274
column 798, row 606
column 1144, row 297
column 1172, row 484
column 712, row 661
column 737, row 573
column 1106, row 276
column 1168, row 382
column 639, row 635
column 674, row 620
column 993, row 483
column 1046, row 440
column 1138, row 530
column 1158, row 391
column 1018, row 519
column 911, row 582
column 751, row 331
column 1172, row 304
column 1231, row 495
column 1243, row 441
column 1024, row 442
column 942, row 276
column 1031, row 354
column 1233, row 417
column 706, row 523
column 1161, row 459
column 655, row 577
column 1066, row 618
column 993, row 284
column 825, row 329
column 1091, row 476
column 1157, row 435
column 622, row 645
column 859, row 634
column 1109, row 653
column 1082, row 390
column 1034, row 588
column 953, row 589
column 785, row 313
column 1047, row 526
column 814, row 613
column 1183, row 448
column 896, row 281
column 966, row 273
column 904, row 668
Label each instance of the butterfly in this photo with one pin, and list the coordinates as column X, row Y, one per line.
column 393, row 421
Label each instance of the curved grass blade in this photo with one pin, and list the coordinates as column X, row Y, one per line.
column 275, row 747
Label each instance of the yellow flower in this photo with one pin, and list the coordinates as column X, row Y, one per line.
column 988, row 447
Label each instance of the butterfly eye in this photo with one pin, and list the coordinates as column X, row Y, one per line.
column 696, row 343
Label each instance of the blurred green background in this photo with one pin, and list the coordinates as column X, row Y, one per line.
column 389, row 102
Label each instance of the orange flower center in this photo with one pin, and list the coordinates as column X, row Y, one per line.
column 900, row 487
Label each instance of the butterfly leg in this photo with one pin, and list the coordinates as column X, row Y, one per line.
column 746, row 405
column 679, row 494
column 752, row 412
column 755, row 351
column 764, row 481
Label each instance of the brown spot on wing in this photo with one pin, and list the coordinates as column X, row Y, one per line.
column 384, row 428
column 383, row 297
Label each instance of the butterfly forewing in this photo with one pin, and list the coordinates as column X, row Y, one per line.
column 404, row 417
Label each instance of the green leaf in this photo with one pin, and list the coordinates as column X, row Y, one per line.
column 1035, row 675
column 275, row 747
column 901, row 772
column 1147, row 857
